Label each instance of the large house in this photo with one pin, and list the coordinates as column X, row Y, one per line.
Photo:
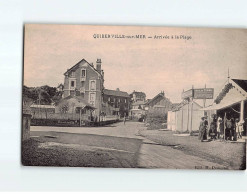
column 86, row 81
column 116, row 102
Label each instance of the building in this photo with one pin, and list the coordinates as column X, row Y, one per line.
column 115, row 102
column 41, row 111
column 87, row 82
column 60, row 87
column 185, row 116
column 137, row 110
column 75, row 108
column 159, row 103
column 137, row 96
column 231, row 101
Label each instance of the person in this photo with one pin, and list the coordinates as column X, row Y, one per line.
column 212, row 129
column 203, row 129
column 220, row 128
column 239, row 128
column 229, row 126
column 124, row 119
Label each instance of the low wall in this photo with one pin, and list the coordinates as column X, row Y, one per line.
column 70, row 123
column 26, row 119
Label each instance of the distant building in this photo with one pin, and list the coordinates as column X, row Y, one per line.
column 115, row 102
column 60, row 87
column 87, row 82
column 137, row 96
column 137, row 109
column 159, row 103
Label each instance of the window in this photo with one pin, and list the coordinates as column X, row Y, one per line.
column 109, row 99
column 125, row 101
column 93, row 85
column 72, row 74
column 72, row 84
column 83, row 73
column 92, row 98
column 119, row 100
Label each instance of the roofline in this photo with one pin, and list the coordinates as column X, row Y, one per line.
column 87, row 63
column 118, row 91
column 154, row 98
column 233, row 84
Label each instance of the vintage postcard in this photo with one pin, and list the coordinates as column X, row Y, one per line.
column 134, row 97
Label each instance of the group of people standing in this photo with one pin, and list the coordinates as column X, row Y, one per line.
column 227, row 129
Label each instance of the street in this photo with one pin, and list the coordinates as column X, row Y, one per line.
column 126, row 139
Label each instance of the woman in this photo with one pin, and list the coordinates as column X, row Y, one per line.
column 220, row 128
column 213, row 126
column 203, row 129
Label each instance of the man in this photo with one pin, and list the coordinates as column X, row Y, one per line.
column 124, row 119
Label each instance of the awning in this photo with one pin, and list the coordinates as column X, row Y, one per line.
column 219, row 106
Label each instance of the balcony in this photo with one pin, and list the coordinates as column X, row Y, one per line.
column 82, row 90
column 83, row 79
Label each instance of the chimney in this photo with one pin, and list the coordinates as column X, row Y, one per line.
column 102, row 73
column 162, row 93
column 92, row 64
column 117, row 89
column 98, row 65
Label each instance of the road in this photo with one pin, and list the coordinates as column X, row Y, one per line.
column 151, row 154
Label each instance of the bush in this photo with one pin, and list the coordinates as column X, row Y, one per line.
column 156, row 119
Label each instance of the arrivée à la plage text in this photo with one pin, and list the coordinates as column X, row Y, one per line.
column 123, row 36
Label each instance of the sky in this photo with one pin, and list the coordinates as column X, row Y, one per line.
column 149, row 65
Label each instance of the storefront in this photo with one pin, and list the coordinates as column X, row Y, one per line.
column 231, row 101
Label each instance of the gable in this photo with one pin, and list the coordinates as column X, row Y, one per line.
column 82, row 64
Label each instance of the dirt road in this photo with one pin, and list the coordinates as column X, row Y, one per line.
column 150, row 155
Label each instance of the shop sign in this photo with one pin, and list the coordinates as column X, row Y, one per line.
column 204, row 93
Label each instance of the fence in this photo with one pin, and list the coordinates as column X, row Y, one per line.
column 60, row 116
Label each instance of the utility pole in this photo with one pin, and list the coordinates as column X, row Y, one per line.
column 191, row 110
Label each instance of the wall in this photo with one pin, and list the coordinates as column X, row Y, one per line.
column 91, row 74
column 181, row 120
column 111, row 105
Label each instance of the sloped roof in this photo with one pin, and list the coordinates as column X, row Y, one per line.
column 178, row 106
column 138, row 103
column 139, row 93
column 83, row 60
column 80, row 100
column 241, row 83
column 159, row 95
column 116, row 93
